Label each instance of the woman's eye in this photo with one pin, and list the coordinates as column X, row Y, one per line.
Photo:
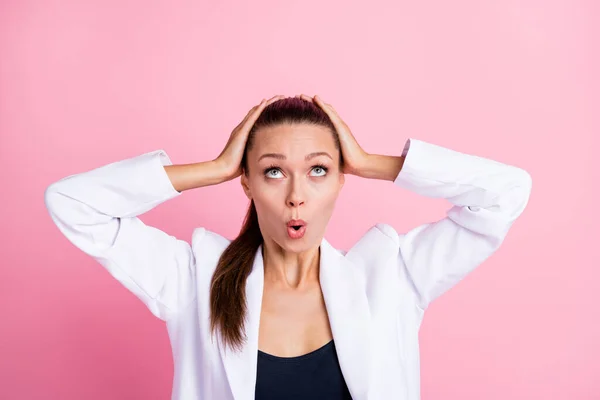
column 272, row 173
column 321, row 171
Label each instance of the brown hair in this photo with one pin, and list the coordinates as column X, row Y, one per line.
column 228, row 286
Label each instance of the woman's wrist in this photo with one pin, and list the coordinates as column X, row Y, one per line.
column 376, row 166
column 195, row 175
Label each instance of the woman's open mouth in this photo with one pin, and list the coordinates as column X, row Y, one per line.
column 296, row 228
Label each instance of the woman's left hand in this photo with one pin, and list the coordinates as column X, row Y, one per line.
column 355, row 158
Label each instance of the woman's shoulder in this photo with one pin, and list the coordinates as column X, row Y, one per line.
column 207, row 246
column 378, row 243
column 202, row 237
column 379, row 236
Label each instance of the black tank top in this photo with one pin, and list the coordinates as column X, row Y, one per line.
column 315, row 376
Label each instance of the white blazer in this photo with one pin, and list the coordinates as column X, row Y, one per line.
column 375, row 293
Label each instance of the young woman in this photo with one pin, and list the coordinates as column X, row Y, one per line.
column 278, row 312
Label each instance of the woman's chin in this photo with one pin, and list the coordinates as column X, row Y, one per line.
column 296, row 245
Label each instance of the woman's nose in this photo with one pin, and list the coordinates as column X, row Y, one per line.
column 295, row 202
column 295, row 197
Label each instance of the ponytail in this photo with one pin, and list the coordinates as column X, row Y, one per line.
column 228, row 286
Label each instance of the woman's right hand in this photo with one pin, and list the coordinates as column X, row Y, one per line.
column 230, row 159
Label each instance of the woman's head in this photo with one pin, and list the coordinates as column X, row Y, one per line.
column 292, row 169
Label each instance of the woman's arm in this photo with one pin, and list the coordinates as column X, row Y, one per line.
column 97, row 211
column 486, row 196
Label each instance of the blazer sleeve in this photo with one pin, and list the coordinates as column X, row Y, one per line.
column 486, row 196
column 98, row 212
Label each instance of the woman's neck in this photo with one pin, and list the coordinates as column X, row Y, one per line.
column 289, row 269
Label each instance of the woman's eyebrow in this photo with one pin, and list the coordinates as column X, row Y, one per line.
column 282, row 157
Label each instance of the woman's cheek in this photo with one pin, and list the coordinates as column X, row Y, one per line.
column 268, row 190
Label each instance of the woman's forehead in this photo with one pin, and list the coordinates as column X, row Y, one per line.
column 293, row 138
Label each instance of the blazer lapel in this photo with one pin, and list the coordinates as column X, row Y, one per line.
column 349, row 316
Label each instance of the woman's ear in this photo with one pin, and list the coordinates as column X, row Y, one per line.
column 245, row 185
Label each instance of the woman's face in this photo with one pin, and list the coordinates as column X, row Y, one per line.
column 293, row 174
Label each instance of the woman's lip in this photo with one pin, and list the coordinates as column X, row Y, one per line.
column 296, row 222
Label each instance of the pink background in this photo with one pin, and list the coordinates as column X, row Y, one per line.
column 87, row 83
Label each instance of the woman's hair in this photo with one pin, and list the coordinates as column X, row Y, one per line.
column 228, row 285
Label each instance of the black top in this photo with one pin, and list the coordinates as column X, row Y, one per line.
column 315, row 376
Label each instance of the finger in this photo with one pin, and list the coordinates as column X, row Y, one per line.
column 329, row 107
column 243, row 121
column 251, row 113
column 323, row 102
column 257, row 109
column 320, row 101
column 271, row 101
column 275, row 98
column 325, row 107
column 254, row 115
column 304, row 97
column 253, row 109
